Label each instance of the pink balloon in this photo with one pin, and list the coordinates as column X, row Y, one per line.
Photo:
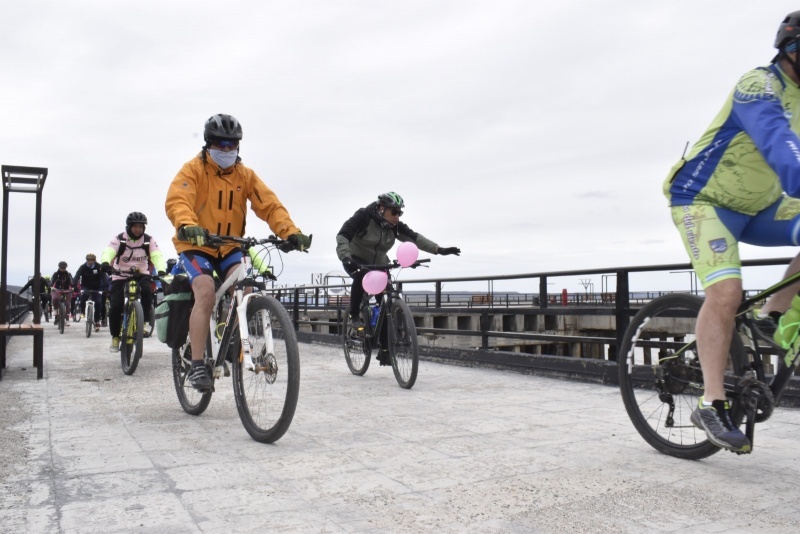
column 374, row 282
column 407, row 254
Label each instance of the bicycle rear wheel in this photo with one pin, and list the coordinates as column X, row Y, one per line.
column 660, row 377
column 403, row 344
column 266, row 397
column 357, row 346
column 192, row 401
column 47, row 312
column 130, row 342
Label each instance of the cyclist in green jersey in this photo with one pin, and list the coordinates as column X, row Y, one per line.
column 740, row 183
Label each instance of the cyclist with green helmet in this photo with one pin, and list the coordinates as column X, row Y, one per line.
column 740, row 183
column 367, row 237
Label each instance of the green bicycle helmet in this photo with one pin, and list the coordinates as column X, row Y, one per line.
column 391, row 200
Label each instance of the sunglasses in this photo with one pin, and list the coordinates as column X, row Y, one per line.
column 396, row 212
column 225, row 143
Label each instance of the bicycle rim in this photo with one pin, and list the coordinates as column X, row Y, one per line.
column 403, row 344
column 660, row 378
column 130, row 344
column 192, row 401
column 266, row 397
column 357, row 347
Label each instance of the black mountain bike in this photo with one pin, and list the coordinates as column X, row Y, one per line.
column 393, row 331
column 252, row 331
column 62, row 318
column 132, row 332
column 661, row 381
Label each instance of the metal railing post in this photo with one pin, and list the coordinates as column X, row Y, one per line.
column 621, row 310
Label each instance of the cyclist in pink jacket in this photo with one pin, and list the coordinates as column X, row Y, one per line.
column 131, row 249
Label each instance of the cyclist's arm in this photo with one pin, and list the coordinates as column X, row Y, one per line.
column 404, row 233
column 181, row 198
column 157, row 257
column 761, row 115
column 109, row 253
column 347, row 233
column 268, row 208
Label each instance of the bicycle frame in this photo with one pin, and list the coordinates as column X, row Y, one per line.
column 239, row 280
column 131, row 293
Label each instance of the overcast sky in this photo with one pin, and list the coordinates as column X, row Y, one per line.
column 533, row 135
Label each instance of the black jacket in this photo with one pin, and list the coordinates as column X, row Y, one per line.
column 61, row 280
column 90, row 277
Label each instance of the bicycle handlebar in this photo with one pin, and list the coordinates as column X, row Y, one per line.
column 394, row 265
column 136, row 273
column 215, row 240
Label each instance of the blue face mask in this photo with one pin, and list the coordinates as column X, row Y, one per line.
column 222, row 158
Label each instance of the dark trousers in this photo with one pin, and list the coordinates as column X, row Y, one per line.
column 117, row 302
column 356, row 295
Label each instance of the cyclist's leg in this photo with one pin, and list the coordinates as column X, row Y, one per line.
column 777, row 226
column 714, row 252
column 713, row 249
column 200, row 270
column 147, row 299
column 356, row 295
column 116, row 297
column 98, row 307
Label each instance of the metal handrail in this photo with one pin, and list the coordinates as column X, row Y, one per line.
column 306, row 297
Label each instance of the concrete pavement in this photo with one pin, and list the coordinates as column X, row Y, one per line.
column 88, row 449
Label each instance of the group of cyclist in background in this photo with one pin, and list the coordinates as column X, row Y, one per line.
column 211, row 193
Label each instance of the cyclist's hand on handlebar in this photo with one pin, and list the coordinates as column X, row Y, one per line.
column 106, row 267
column 196, row 235
column 162, row 273
column 300, row 241
column 449, row 250
column 350, row 266
column 296, row 241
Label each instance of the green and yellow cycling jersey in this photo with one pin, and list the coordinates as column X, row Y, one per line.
column 750, row 153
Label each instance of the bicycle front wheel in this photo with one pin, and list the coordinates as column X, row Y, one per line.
column 403, row 344
column 660, row 377
column 192, row 401
column 130, row 342
column 357, row 346
column 89, row 318
column 47, row 312
column 62, row 316
column 266, row 395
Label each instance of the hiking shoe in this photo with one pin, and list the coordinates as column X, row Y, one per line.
column 715, row 420
column 114, row 344
column 199, row 377
column 384, row 358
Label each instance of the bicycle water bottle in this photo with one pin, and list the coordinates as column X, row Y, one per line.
column 374, row 320
column 788, row 325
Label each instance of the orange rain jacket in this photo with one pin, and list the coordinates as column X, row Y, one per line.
column 202, row 194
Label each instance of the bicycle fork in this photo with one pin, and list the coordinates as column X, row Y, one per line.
column 244, row 335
